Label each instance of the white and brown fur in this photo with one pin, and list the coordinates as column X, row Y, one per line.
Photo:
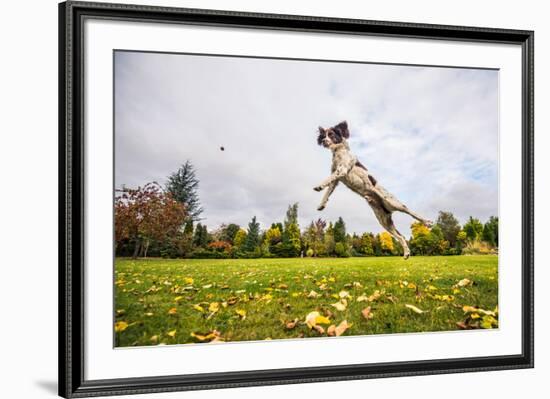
column 348, row 170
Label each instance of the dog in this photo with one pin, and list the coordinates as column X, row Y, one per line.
column 347, row 169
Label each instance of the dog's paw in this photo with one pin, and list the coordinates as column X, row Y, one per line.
column 321, row 207
column 318, row 188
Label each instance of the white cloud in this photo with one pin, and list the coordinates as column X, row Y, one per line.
column 429, row 135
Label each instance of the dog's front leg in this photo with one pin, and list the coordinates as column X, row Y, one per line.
column 327, row 194
column 340, row 172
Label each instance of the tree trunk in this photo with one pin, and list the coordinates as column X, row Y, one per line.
column 136, row 248
column 146, row 248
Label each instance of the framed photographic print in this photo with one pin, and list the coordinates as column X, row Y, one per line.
column 252, row 199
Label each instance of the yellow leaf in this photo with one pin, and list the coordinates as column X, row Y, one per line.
column 154, row 338
column 213, row 335
column 241, row 313
column 171, row 333
column 295, row 294
column 313, row 317
column 214, row 307
column 322, row 320
column 198, row 308
column 120, row 326
column 178, row 298
column 362, row 298
column 149, row 314
column 172, row 311
column 332, row 279
column 207, row 286
column 415, row 309
column 188, row 280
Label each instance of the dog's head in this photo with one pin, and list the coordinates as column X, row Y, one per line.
column 333, row 135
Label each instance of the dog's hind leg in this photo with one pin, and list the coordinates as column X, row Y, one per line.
column 392, row 203
column 385, row 219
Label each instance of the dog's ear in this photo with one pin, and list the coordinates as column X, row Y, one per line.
column 342, row 127
column 321, row 135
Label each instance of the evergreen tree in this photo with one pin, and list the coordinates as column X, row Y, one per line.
column 490, row 231
column 340, row 231
column 200, row 239
column 183, row 185
column 253, row 236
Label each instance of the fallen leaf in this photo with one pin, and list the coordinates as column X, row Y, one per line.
column 362, row 298
column 464, row 282
column 415, row 309
column 207, row 286
column 198, row 308
column 212, row 336
column 188, row 280
column 154, row 338
column 313, row 294
column 343, row 294
column 341, row 328
column 341, row 305
column 172, row 311
column 241, row 313
column 331, row 331
column 120, row 326
column 367, row 314
column 171, row 333
column 319, row 329
column 291, row 324
column 214, row 307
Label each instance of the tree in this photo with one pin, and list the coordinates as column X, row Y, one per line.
column 240, row 238
column 449, row 227
column 386, row 242
column 146, row 214
column 228, row 232
column 253, row 236
column 490, row 231
column 473, row 229
column 367, row 247
column 291, row 244
column 273, row 236
column 329, row 243
column 200, row 239
column 183, row 185
column 340, row 231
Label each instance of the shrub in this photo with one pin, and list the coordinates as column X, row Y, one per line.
column 341, row 250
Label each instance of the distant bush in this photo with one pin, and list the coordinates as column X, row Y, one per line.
column 477, row 247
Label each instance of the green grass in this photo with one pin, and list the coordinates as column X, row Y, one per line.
column 155, row 297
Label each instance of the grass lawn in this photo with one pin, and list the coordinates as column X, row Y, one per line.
column 178, row 301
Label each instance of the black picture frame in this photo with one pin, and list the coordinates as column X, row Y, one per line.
column 71, row 200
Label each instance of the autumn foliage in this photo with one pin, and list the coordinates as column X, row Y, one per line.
column 146, row 214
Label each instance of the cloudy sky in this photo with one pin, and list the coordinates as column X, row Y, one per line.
column 429, row 135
